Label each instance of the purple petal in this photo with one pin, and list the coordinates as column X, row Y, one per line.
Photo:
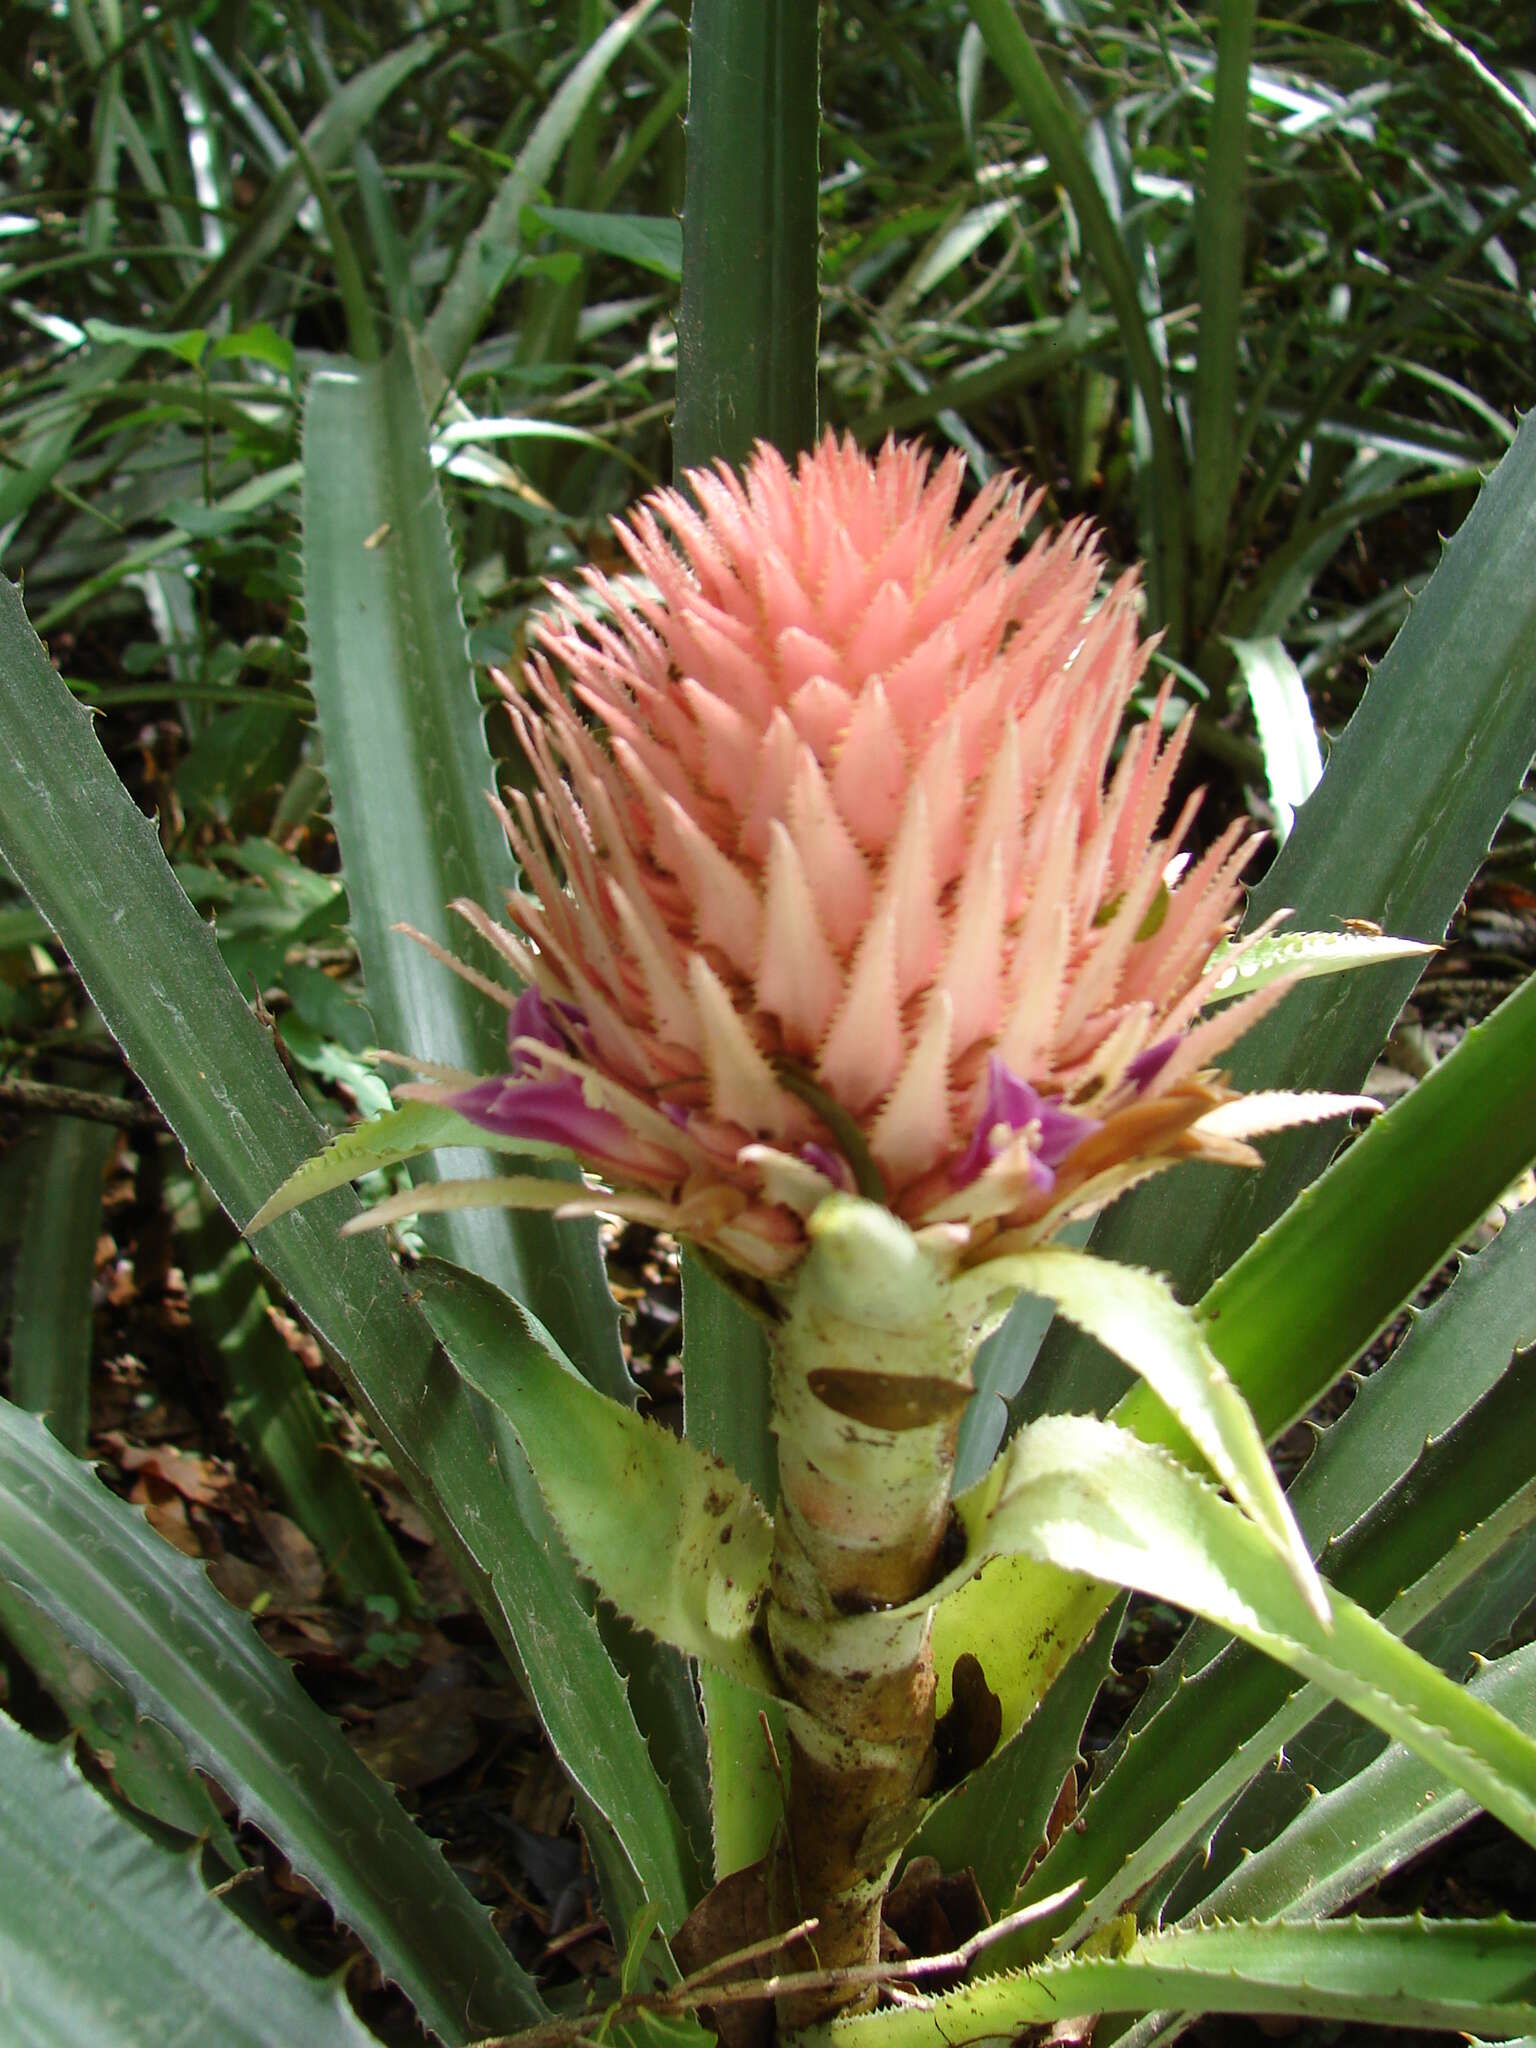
column 1147, row 1065
column 831, row 1164
column 547, row 1112
column 1015, row 1104
column 532, row 1017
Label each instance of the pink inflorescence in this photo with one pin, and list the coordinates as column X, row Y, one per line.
column 828, row 882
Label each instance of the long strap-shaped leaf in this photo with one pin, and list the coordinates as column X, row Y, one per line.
column 55, row 1265
column 1219, row 260
column 151, row 1618
column 1343, row 1842
column 1288, row 1319
column 275, row 1411
column 727, row 1397
column 1041, row 102
column 1413, row 793
column 1428, row 1451
column 1303, row 1302
column 162, row 1957
column 1082, row 1496
column 1458, row 1975
column 150, row 1769
column 410, row 773
column 1468, row 1111
column 1024, row 1641
column 486, row 260
column 746, row 327
column 1214, row 1721
column 91, row 864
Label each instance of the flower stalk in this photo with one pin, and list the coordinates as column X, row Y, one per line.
column 871, row 1376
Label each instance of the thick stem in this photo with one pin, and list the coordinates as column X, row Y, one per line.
column 871, row 1375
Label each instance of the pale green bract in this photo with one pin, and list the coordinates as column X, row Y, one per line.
column 1243, row 966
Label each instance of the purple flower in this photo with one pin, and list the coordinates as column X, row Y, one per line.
column 1014, row 1104
column 832, row 1164
column 1148, row 1064
column 532, row 1017
column 545, row 1112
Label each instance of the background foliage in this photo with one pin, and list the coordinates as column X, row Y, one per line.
column 1260, row 305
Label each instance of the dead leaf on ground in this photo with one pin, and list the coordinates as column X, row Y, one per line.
column 203, row 1481
column 166, row 1513
column 416, row 1741
column 298, row 1561
column 934, row 1911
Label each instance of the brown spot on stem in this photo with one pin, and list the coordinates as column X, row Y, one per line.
column 888, row 1400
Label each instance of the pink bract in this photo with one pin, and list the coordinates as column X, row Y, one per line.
column 826, row 864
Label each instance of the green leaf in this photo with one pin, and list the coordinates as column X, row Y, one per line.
column 51, row 1311
column 148, row 1766
column 994, row 1823
column 666, row 1533
column 1414, row 791
column 1135, row 1316
column 1301, row 956
column 488, row 256
column 1022, row 1621
column 653, row 242
column 350, row 289
column 1057, row 132
column 21, row 927
column 257, row 343
column 1214, row 1716
column 348, row 110
column 1410, row 1973
column 1219, row 225
column 1060, row 344
column 1457, row 1350
column 1311, row 1294
column 206, row 522
column 410, row 774
column 1385, row 1478
column 1345, row 1841
column 955, row 242
column 244, row 498
column 747, row 322
column 186, row 342
column 1081, row 1496
column 387, row 1140
column 274, row 1410
column 1001, row 1367
column 151, row 1618
column 727, row 1400
column 1306, row 1299
column 161, row 1952
column 92, row 863
column 1293, row 761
